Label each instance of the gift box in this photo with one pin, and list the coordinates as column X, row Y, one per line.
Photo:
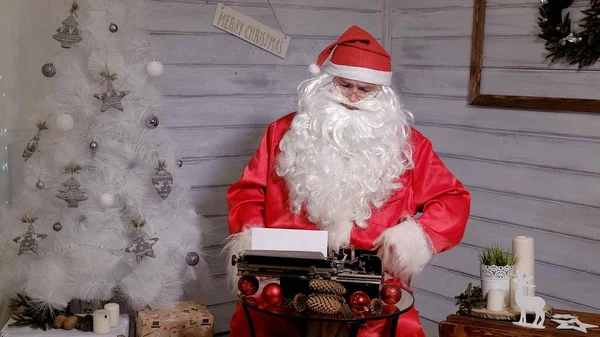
column 185, row 319
column 24, row 331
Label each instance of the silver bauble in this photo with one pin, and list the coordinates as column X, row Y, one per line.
column 40, row 184
column 179, row 162
column 49, row 69
column 93, row 145
column 57, row 227
column 113, row 28
column 192, row 258
column 151, row 122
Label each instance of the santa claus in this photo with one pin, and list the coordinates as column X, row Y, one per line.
column 350, row 162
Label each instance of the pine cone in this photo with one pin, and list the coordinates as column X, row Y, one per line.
column 59, row 320
column 85, row 323
column 70, row 322
column 335, row 297
column 300, row 302
column 327, row 287
column 376, row 306
column 324, row 304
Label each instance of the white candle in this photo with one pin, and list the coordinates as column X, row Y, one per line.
column 101, row 322
column 495, row 300
column 523, row 249
column 113, row 309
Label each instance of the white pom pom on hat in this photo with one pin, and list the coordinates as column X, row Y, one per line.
column 358, row 56
column 314, row 69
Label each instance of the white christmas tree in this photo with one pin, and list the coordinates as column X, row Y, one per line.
column 101, row 213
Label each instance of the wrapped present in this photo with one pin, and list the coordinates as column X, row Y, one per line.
column 185, row 319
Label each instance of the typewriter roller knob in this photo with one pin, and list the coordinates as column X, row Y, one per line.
column 233, row 260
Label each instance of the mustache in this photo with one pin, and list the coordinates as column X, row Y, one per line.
column 334, row 96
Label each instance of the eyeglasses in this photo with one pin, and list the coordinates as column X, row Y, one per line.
column 367, row 93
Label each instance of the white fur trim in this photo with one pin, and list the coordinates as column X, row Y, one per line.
column 406, row 250
column 360, row 74
column 236, row 243
column 314, row 69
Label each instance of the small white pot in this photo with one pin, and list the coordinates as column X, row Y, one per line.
column 496, row 277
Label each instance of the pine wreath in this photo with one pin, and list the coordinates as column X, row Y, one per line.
column 582, row 47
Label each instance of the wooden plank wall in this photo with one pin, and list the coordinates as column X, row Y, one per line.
column 221, row 92
column 531, row 173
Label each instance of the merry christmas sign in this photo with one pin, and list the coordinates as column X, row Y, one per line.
column 250, row 30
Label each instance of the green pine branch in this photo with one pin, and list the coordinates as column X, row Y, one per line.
column 471, row 298
column 26, row 312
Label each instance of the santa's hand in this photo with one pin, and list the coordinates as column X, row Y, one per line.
column 380, row 247
column 387, row 253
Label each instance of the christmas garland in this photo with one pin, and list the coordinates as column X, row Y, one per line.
column 582, row 47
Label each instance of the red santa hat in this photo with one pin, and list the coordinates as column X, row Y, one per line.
column 357, row 56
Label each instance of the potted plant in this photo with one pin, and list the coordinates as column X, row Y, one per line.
column 496, row 270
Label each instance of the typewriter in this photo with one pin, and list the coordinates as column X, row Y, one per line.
column 357, row 270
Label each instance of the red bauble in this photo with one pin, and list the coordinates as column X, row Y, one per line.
column 359, row 301
column 272, row 293
column 248, row 285
column 391, row 294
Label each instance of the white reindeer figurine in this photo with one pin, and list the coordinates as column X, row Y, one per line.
column 528, row 303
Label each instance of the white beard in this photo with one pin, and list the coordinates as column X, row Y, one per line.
column 340, row 163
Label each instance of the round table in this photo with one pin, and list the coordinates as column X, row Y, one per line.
column 354, row 320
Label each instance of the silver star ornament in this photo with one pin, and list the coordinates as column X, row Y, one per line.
column 29, row 241
column 111, row 98
column 573, row 324
column 142, row 247
column 563, row 316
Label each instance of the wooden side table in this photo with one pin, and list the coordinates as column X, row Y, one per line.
column 468, row 326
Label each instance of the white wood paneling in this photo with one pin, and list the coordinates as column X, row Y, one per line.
column 210, row 171
column 567, row 83
column 498, row 52
column 192, row 17
column 454, row 81
column 537, row 213
column 369, row 5
column 435, row 4
column 226, row 110
column 515, row 147
column 210, row 200
column 227, row 49
column 501, row 20
column 219, row 231
column 217, row 141
column 558, row 185
column 193, row 80
column 219, row 293
column 431, row 81
column 455, row 111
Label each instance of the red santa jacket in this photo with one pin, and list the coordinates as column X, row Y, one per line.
column 260, row 198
